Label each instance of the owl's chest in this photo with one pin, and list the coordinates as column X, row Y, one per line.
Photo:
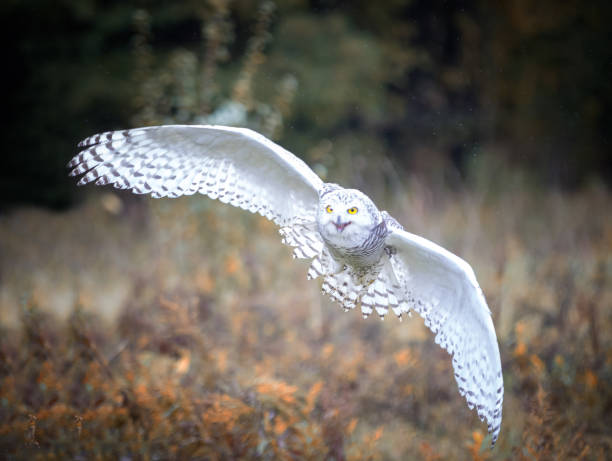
column 362, row 257
column 360, row 250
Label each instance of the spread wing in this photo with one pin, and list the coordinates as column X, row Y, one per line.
column 235, row 165
column 443, row 289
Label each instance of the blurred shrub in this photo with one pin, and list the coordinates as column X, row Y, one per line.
column 428, row 84
column 182, row 329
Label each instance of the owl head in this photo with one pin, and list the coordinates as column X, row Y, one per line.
column 346, row 217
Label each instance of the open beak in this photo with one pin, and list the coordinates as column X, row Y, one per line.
column 340, row 225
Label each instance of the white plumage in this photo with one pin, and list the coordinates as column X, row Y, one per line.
column 364, row 256
column 235, row 165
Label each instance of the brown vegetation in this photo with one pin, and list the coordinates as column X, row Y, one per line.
column 182, row 329
column 216, row 346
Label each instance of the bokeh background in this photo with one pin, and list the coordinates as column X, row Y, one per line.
column 136, row 328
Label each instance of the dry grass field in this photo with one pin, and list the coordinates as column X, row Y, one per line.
column 138, row 329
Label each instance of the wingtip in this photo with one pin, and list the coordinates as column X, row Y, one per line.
column 74, row 161
column 86, row 142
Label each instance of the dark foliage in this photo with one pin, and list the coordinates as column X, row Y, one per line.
column 426, row 82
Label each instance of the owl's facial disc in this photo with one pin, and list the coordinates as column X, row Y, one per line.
column 346, row 218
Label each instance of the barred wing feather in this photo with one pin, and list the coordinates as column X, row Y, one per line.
column 443, row 289
column 235, row 165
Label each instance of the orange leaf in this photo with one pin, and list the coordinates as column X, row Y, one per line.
column 280, row 426
column 537, row 363
column 520, row 349
column 232, row 264
column 278, row 390
column 403, row 357
column 474, row 448
column 590, row 379
column 427, row 452
column 167, row 304
column 222, row 360
column 378, row 434
column 204, row 282
column 327, row 351
column 182, row 365
column 351, row 426
column 313, row 393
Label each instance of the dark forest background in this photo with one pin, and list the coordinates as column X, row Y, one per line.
column 436, row 86
column 133, row 328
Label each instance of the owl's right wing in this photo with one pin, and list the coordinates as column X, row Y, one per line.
column 443, row 289
column 235, row 165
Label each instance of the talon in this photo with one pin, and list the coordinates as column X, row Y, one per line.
column 365, row 316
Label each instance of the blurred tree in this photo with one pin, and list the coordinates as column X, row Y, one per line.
column 542, row 77
column 431, row 84
column 66, row 78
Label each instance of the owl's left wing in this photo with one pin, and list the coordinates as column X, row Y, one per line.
column 443, row 289
column 235, row 165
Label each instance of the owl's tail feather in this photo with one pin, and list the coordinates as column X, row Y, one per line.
column 383, row 294
column 350, row 290
column 343, row 289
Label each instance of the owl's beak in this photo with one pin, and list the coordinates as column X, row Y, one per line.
column 340, row 226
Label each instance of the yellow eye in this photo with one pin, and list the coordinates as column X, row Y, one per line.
column 329, row 209
column 352, row 210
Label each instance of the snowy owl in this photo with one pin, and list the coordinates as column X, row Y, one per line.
column 363, row 255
